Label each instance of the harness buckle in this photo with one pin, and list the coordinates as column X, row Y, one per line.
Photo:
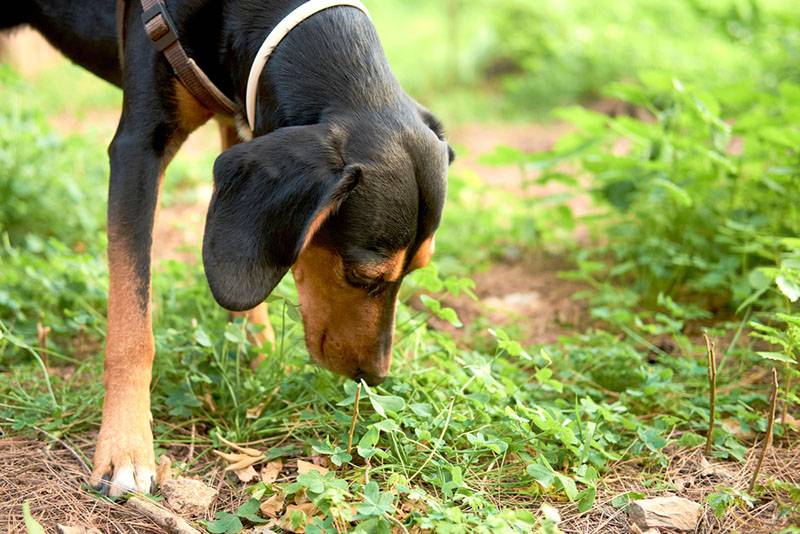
column 159, row 27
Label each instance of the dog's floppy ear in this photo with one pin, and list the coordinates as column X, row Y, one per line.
column 434, row 124
column 270, row 195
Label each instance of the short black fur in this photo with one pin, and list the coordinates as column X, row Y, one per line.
column 330, row 71
column 267, row 193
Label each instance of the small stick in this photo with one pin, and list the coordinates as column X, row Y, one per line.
column 191, row 444
column 712, row 384
column 773, row 402
column 355, row 419
column 788, row 389
column 41, row 336
column 167, row 520
column 244, row 450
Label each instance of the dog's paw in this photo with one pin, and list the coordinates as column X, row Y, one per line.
column 124, row 462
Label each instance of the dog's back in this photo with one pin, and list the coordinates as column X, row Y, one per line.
column 83, row 31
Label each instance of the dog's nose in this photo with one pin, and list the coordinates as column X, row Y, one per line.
column 370, row 378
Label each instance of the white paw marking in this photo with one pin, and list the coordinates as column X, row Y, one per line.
column 123, row 481
column 145, row 477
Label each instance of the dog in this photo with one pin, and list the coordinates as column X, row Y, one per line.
column 343, row 182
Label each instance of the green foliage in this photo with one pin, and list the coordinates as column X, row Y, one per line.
column 725, row 224
column 694, row 226
column 549, row 53
column 49, row 186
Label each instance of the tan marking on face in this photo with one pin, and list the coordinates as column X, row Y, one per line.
column 423, row 256
column 316, row 224
column 347, row 330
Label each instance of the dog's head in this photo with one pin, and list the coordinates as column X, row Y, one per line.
column 351, row 206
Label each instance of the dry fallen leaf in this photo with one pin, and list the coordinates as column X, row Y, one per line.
column 790, row 421
column 255, row 412
column 304, row 467
column 272, row 506
column 164, row 470
column 209, row 400
column 244, row 463
column 247, row 474
column 271, row 472
column 734, row 427
column 308, row 509
column 322, row 461
column 300, row 497
column 261, row 529
column 237, row 462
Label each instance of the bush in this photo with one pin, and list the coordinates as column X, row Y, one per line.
column 50, row 187
column 555, row 52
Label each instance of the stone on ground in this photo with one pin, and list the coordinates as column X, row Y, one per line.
column 188, row 496
column 665, row 512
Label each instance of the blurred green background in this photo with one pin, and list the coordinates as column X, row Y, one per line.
column 628, row 179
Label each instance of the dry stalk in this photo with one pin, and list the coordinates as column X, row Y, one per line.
column 787, row 389
column 235, row 446
column 712, row 394
column 41, row 336
column 355, row 419
column 164, row 518
column 773, row 402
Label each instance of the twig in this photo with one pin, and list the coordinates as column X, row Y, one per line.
column 167, row 520
column 41, row 336
column 355, row 419
column 244, row 450
column 773, row 402
column 399, row 523
column 788, row 389
column 191, row 444
column 712, row 395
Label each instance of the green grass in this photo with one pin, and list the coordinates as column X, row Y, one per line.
column 472, row 433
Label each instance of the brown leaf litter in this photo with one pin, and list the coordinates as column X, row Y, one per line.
column 53, row 477
column 692, row 476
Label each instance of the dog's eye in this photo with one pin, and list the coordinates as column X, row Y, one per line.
column 373, row 286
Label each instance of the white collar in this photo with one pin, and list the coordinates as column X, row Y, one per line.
column 290, row 22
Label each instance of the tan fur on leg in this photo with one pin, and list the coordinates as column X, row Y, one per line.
column 125, row 443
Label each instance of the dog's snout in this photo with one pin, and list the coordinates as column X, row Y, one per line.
column 371, row 379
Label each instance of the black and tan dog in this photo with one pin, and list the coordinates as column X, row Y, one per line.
column 343, row 183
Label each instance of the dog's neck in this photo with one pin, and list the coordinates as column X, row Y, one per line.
column 331, row 63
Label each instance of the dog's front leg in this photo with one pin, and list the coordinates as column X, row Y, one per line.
column 124, row 455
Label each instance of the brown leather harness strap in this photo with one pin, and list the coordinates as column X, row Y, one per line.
column 161, row 30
